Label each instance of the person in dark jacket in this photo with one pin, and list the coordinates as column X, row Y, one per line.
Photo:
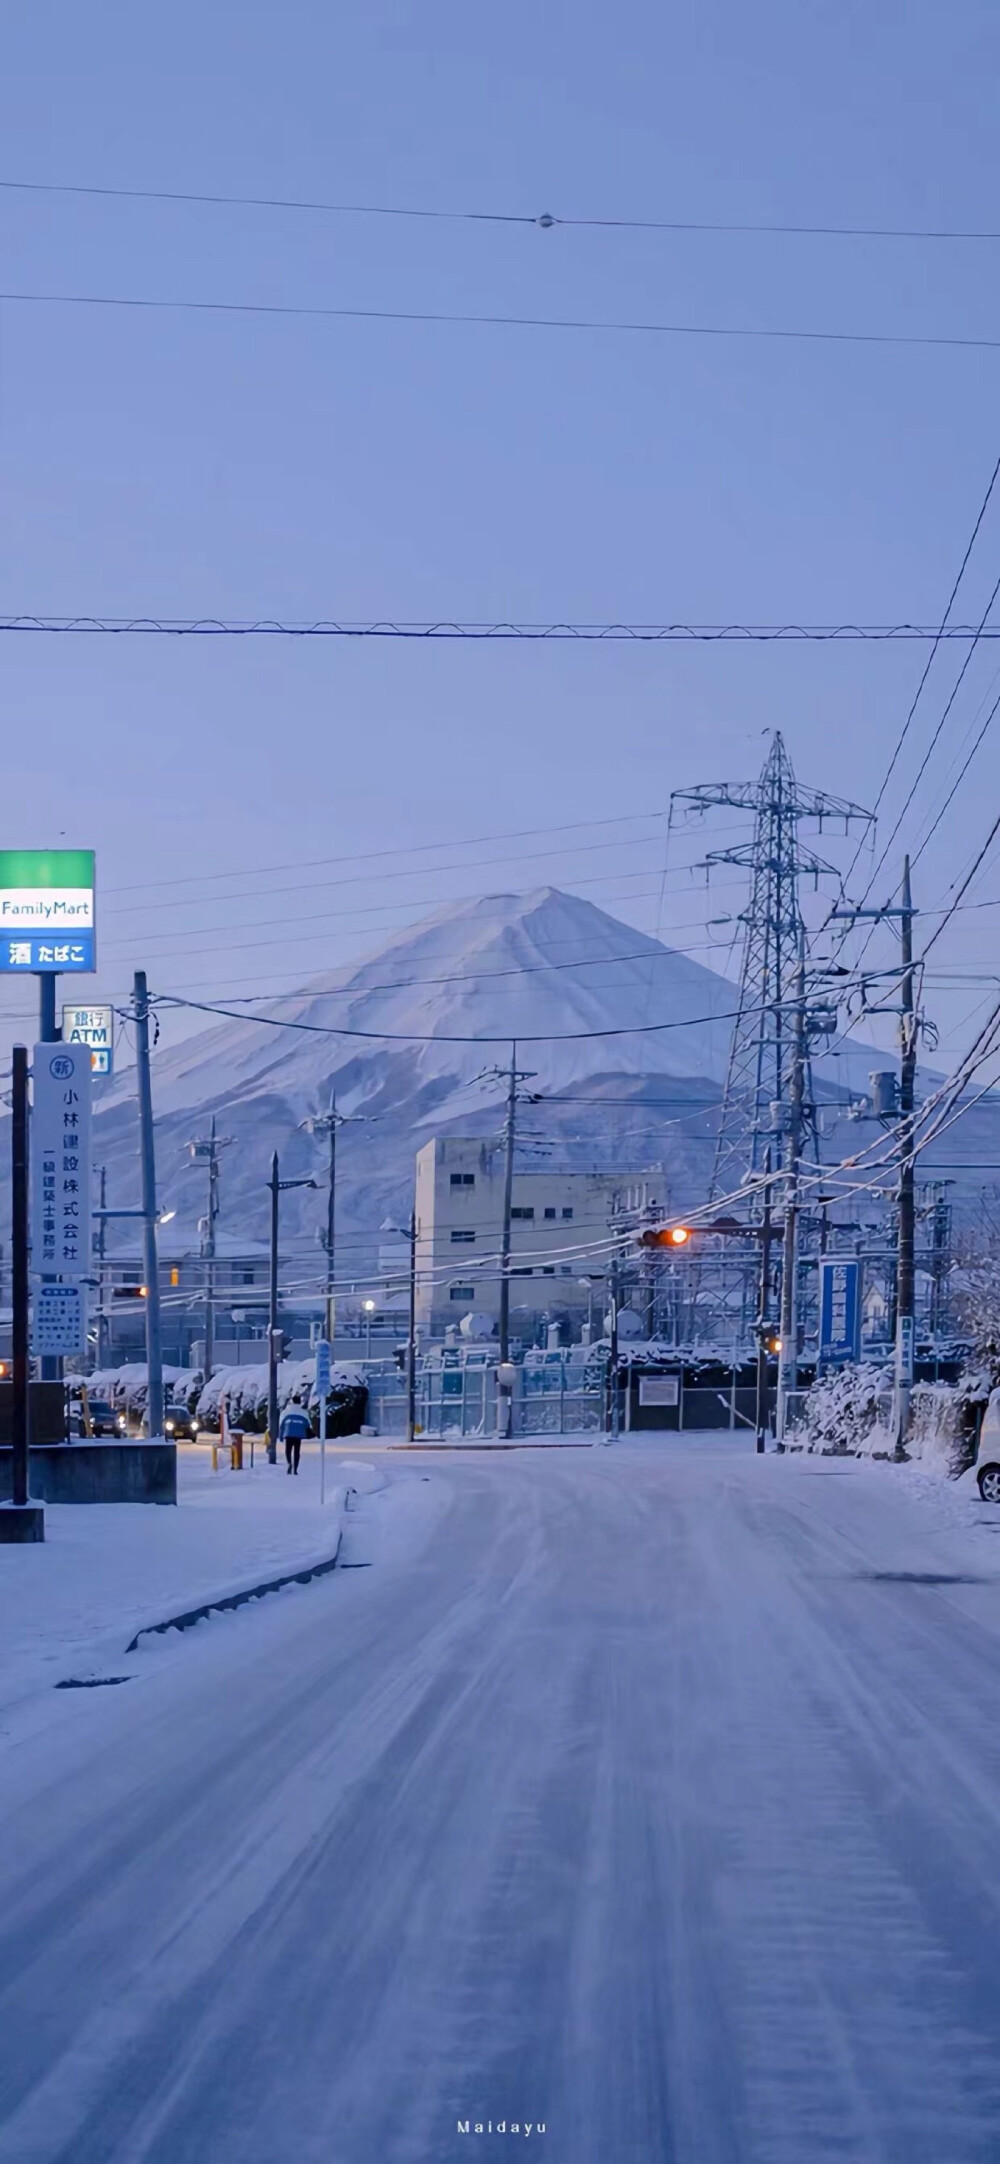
column 294, row 1425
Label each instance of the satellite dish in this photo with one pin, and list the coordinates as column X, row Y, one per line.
column 476, row 1326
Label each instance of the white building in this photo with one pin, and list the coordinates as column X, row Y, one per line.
column 560, row 1225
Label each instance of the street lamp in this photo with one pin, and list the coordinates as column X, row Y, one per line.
column 277, row 1187
column 369, row 1308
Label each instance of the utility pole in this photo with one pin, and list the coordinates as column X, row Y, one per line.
column 327, row 1123
column 614, row 1411
column 905, row 1199
column 209, row 1151
column 788, row 1348
column 154, row 1342
column 905, row 1318
column 508, row 1190
column 277, row 1187
column 411, row 1343
column 272, row 1322
column 763, row 1303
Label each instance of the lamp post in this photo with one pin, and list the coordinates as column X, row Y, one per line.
column 277, row 1187
column 369, row 1308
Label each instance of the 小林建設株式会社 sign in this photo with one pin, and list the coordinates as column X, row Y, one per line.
column 47, row 910
column 60, row 1160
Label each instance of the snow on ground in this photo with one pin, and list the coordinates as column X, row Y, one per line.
column 647, row 1793
column 70, row 1606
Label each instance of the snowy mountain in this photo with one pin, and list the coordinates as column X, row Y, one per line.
column 624, row 1039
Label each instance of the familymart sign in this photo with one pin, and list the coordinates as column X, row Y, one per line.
column 47, row 915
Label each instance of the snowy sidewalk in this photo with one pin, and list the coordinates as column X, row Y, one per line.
column 70, row 1606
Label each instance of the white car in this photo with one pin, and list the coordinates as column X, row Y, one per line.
column 988, row 1454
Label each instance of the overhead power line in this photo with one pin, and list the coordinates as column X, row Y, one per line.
column 390, row 1036
column 943, row 632
column 494, row 320
column 610, row 633
column 543, row 220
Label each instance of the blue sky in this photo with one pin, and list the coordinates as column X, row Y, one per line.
column 189, row 465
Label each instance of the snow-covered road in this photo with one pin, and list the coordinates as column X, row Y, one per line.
column 652, row 1795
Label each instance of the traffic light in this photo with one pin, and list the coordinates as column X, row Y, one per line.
column 666, row 1236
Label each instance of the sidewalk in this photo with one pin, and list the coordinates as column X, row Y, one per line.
column 70, row 1606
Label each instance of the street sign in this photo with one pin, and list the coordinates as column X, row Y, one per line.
column 47, row 913
column 59, row 1321
column 839, row 1310
column 322, row 1367
column 60, row 1160
column 94, row 1026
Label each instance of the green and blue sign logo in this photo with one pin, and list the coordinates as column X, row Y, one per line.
column 47, row 910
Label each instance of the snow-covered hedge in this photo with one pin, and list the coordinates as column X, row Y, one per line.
column 846, row 1410
column 245, row 1389
column 126, row 1387
column 851, row 1410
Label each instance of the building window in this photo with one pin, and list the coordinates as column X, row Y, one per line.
column 463, row 1238
column 463, row 1179
column 565, row 1269
column 550, row 1213
column 566, row 1214
column 246, row 1277
column 528, row 1214
column 522, row 1273
column 548, row 1269
column 462, row 1292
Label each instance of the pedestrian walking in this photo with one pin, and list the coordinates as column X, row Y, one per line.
column 293, row 1426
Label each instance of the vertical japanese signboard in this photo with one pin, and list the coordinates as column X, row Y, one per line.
column 47, row 910
column 839, row 1310
column 60, row 1160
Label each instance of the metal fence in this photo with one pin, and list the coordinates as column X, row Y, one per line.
column 562, row 1399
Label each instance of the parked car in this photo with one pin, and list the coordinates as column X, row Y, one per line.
column 988, row 1454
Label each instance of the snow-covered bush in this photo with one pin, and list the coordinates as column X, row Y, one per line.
column 846, row 1410
column 245, row 1391
column 851, row 1410
column 126, row 1388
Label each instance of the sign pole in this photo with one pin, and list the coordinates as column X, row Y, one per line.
column 51, row 1367
column 20, row 1520
column 19, row 1171
column 322, row 1392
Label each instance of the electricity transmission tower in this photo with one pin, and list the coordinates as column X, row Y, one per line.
column 763, row 1088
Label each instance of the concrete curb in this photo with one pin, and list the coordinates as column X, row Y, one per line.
column 238, row 1600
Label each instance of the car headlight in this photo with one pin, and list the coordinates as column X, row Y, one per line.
column 169, row 1426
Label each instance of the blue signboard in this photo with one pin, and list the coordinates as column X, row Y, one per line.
column 40, row 951
column 839, row 1310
